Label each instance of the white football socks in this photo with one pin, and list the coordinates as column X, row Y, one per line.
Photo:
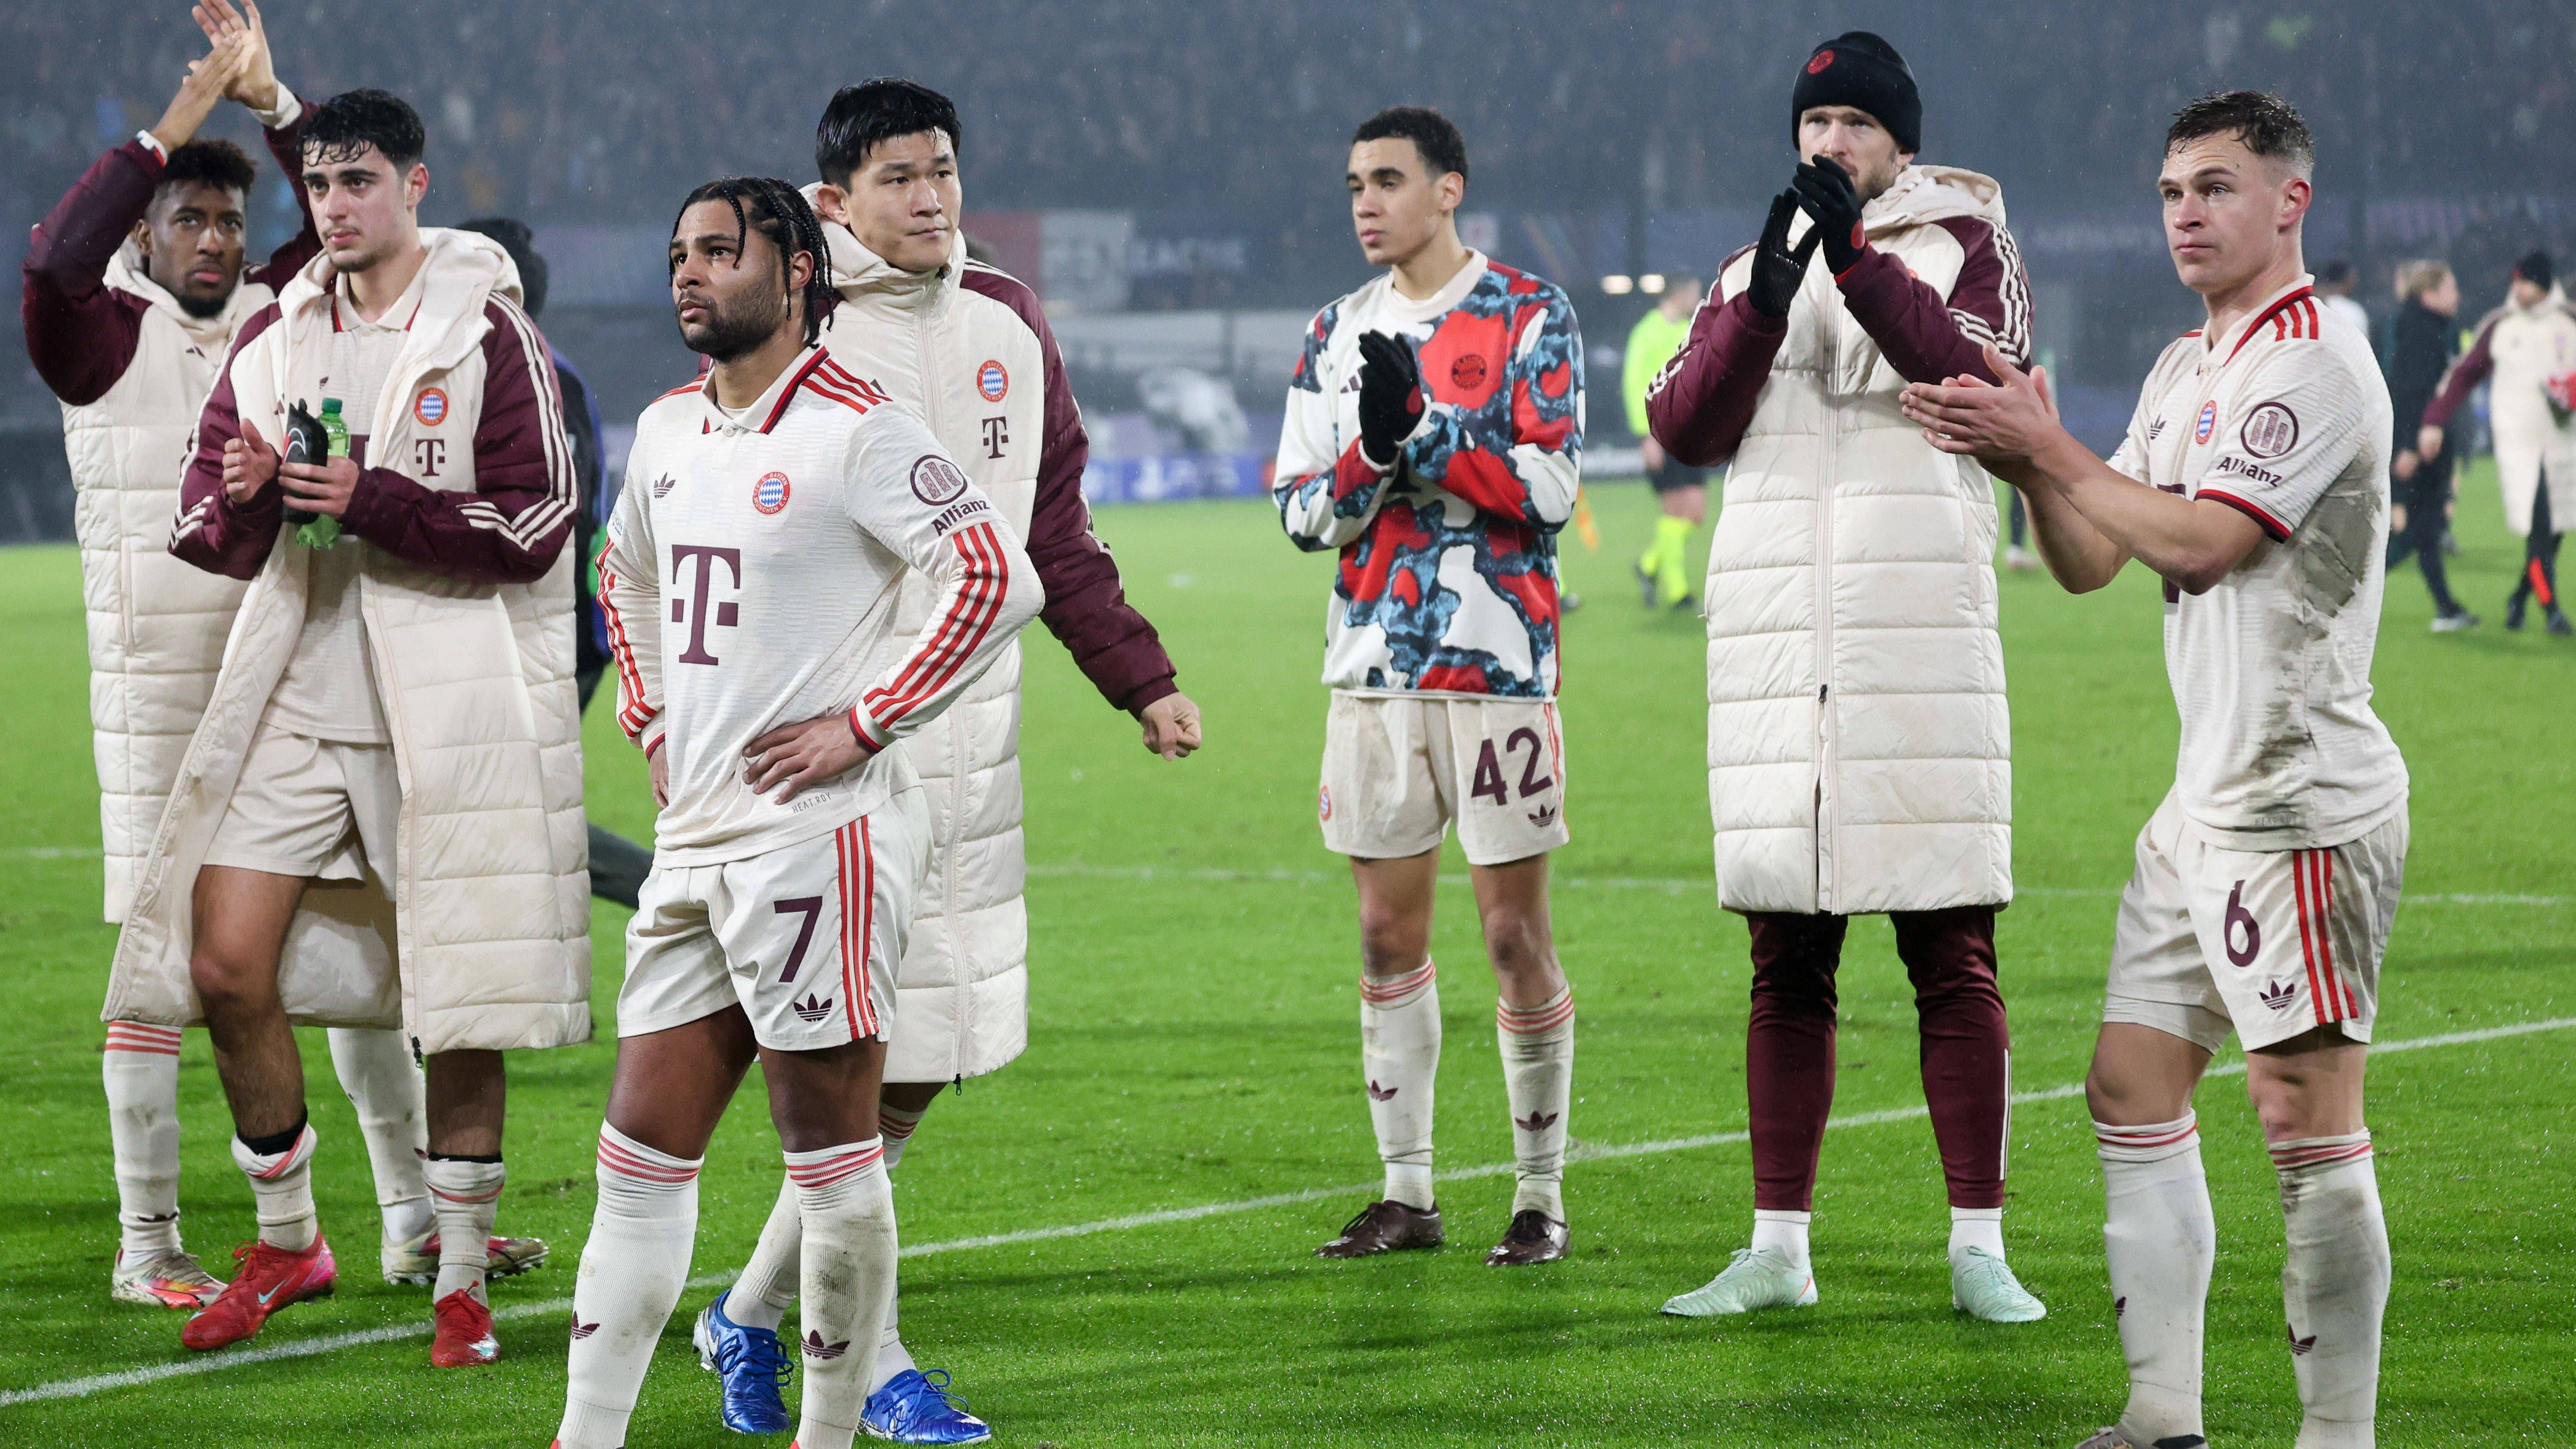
column 846, row 1286
column 895, row 1128
column 465, row 1192
column 141, row 1071
column 282, row 1185
column 1978, row 1228
column 2334, row 1284
column 1400, row 1055
column 385, row 1088
column 1783, row 1232
column 2160, row 1238
column 1538, row 1076
column 631, row 1272
column 761, row 1297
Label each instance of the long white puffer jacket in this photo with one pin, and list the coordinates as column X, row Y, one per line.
column 156, row 625
column 974, row 371
column 491, row 886
column 1859, row 748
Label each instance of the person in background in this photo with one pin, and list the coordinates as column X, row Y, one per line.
column 2421, row 343
column 617, row 865
column 2528, row 348
column 2335, row 282
column 1681, row 491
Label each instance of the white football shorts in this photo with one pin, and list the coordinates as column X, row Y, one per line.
column 804, row 938
column 311, row 808
column 2272, row 943
column 1399, row 768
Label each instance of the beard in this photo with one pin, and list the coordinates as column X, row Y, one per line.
column 203, row 307
column 734, row 328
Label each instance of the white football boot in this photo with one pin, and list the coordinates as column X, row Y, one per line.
column 1754, row 1278
column 1981, row 1286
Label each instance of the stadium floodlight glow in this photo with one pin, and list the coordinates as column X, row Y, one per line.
column 1652, row 284
column 1618, row 284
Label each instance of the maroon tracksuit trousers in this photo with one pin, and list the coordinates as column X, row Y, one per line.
column 1789, row 1048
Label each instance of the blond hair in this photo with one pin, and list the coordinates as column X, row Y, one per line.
column 2415, row 278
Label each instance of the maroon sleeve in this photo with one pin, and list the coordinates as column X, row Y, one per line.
column 2463, row 376
column 1086, row 605
column 514, row 523
column 80, row 334
column 286, row 147
column 1702, row 401
column 1927, row 337
column 212, row 531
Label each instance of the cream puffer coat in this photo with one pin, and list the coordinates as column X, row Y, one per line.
column 156, row 625
column 1859, row 747
column 491, row 894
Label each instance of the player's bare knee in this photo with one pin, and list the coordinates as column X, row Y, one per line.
column 1392, row 942
column 227, row 984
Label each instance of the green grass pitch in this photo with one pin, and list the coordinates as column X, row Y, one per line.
column 1193, row 1046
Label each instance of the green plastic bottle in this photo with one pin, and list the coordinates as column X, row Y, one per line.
column 324, row 532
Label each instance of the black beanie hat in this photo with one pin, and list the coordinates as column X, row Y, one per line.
column 2536, row 270
column 1860, row 70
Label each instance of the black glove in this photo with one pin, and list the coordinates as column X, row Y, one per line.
column 1390, row 396
column 1830, row 202
column 1776, row 269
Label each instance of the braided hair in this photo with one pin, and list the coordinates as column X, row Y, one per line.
column 780, row 213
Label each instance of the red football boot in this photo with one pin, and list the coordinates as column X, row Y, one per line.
column 270, row 1278
column 464, row 1336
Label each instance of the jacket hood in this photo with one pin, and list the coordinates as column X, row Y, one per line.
column 460, row 263
column 2555, row 301
column 859, row 274
column 125, row 272
column 1926, row 194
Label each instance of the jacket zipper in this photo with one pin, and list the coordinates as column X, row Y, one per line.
column 1828, row 457
column 926, row 329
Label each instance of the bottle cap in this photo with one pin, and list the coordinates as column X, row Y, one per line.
column 330, row 405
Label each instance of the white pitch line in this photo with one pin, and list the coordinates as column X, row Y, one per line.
column 393, row 1333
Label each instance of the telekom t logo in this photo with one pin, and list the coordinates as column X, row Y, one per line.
column 696, row 617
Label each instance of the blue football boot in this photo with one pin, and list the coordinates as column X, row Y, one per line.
column 753, row 1364
column 917, row 1408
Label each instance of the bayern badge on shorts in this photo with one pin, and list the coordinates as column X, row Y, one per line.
column 769, row 495
column 1324, row 803
column 992, row 381
column 430, row 407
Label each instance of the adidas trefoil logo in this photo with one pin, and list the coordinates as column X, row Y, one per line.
column 1381, row 1094
column 2119, row 1308
column 581, row 1330
column 811, row 1008
column 2279, row 995
column 664, row 484
column 2155, row 429
column 1535, row 1121
column 2299, row 1346
column 815, row 1347
column 1543, row 817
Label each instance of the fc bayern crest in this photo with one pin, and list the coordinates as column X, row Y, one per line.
column 430, row 407
column 935, row 480
column 992, row 380
column 2208, row 423
column 769, row 495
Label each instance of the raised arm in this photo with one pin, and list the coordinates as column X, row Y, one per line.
column 280, row 114
column 1927, row 337
column 512, row 525
column 1326, row 490
column 1535, row 481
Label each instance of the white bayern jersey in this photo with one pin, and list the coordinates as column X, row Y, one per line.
column 750, row 576
column 2285, row 418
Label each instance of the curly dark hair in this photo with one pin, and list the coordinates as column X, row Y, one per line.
column 777, row 211
column 214, row 161
column 343, row 127
column 2268, row 125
